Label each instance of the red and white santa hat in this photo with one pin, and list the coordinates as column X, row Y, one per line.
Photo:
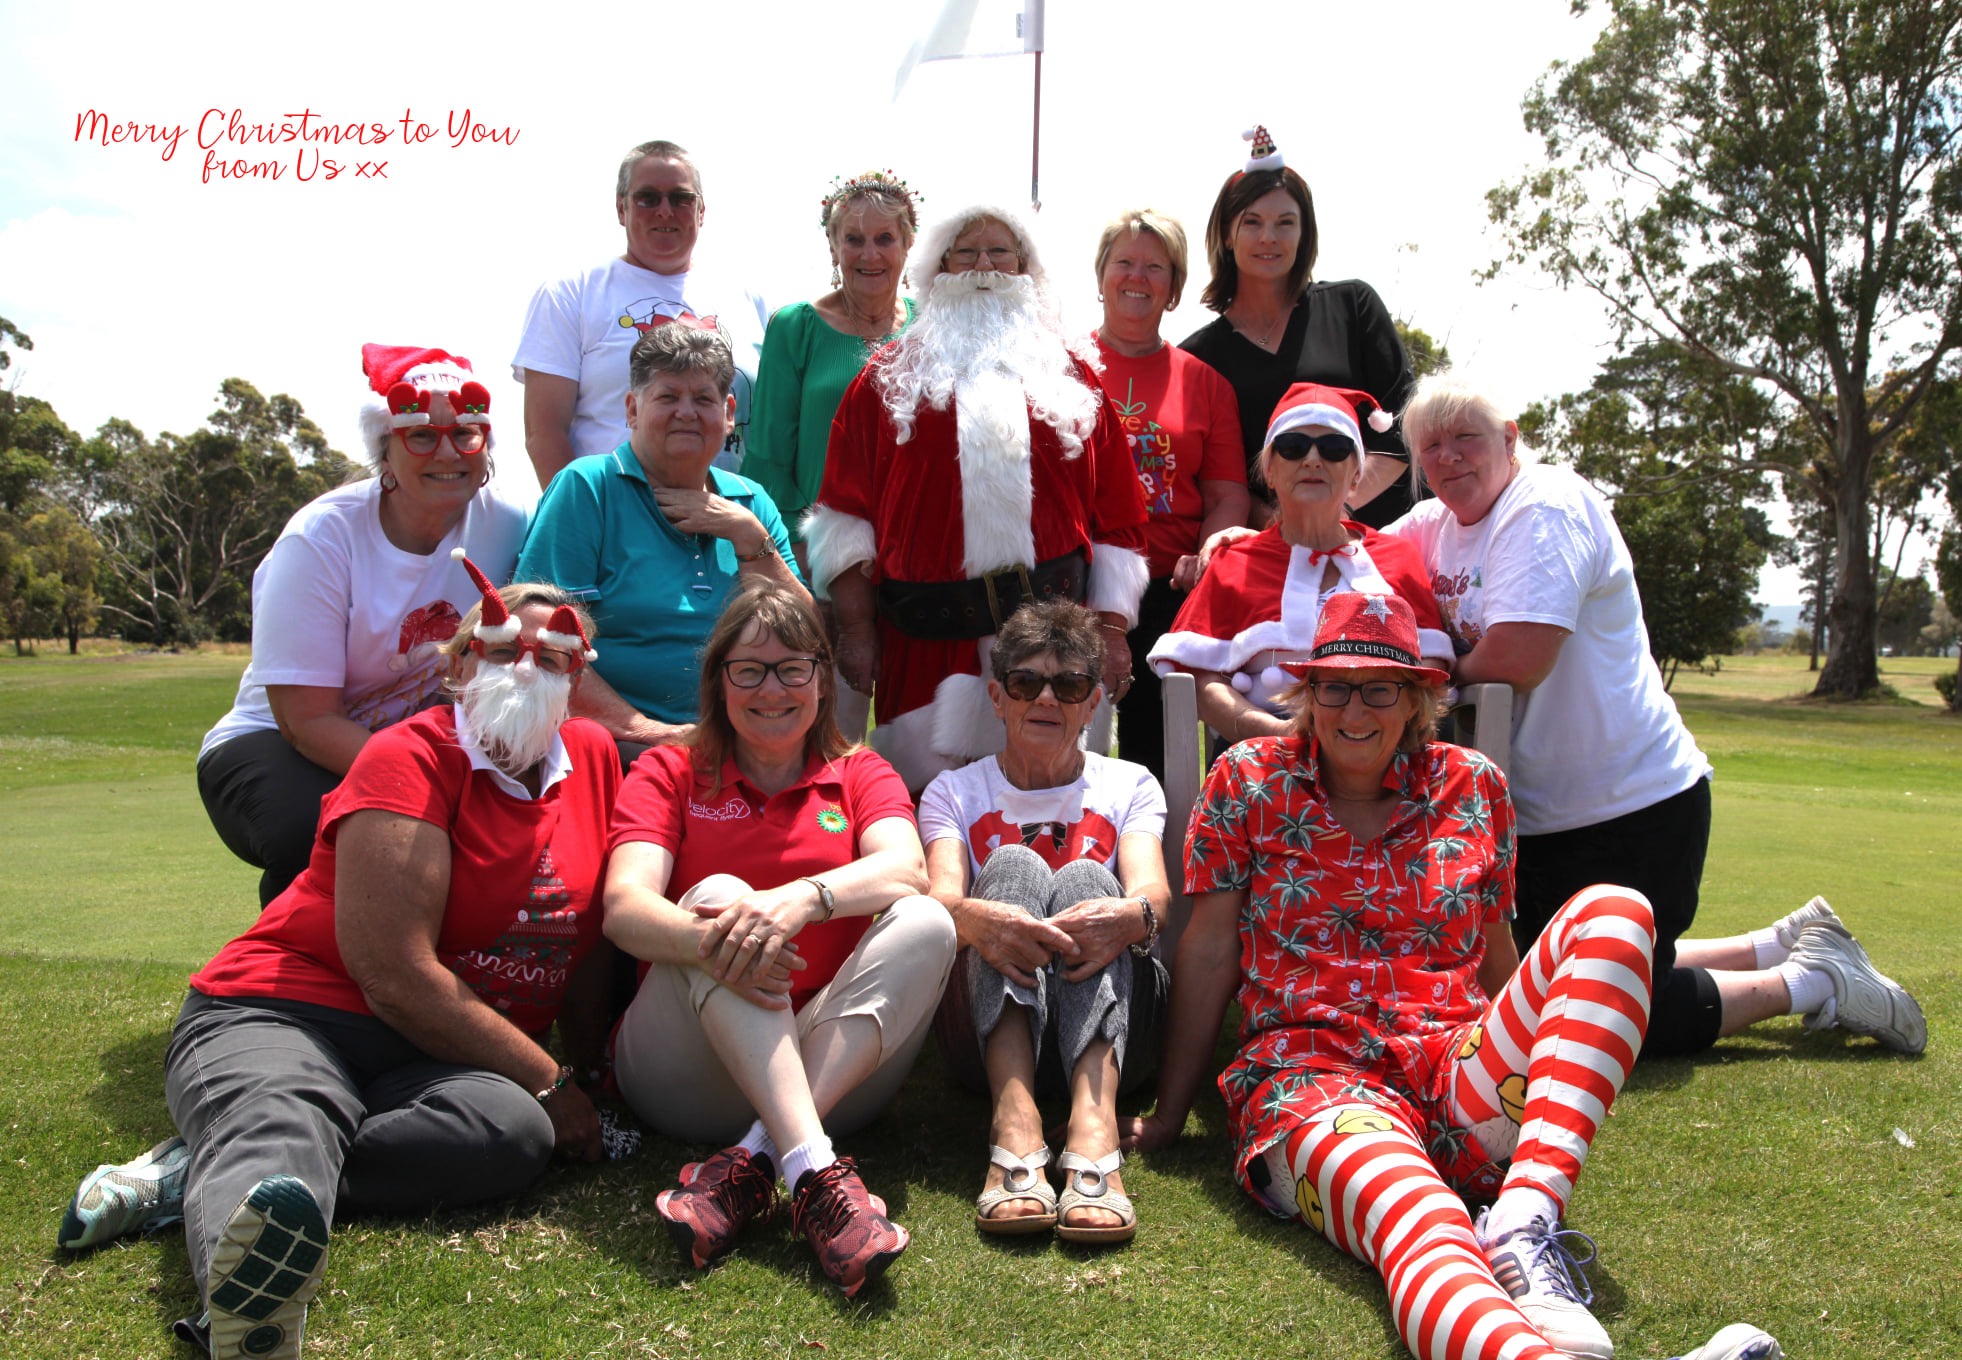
column 404, row 378
column 1366, row 632
column 562, row 630
column 1264, row 156
column 1339, row 408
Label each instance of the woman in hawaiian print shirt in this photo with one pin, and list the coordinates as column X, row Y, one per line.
column 1353, row 879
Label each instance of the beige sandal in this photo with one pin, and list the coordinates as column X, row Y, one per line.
column 1023, row 1179
column 1088, row 1187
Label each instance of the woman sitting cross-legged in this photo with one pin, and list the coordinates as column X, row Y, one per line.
column 1049, row 859
column 1354, row 882
column 787, row 1005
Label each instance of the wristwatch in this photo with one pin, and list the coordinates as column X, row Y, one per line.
column 1142, row 948
column 826, row 898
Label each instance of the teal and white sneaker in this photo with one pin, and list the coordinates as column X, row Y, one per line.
column 1739, row 1341
column 147, row 1193
column 265, row 1270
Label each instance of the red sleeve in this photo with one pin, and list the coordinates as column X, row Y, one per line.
column 873, row 792
column 1492, row 783
column 1117, row 505
column 650, row 801
column 1401, row 566
column 414, row 768
column 1222, row 459
column 850, row 483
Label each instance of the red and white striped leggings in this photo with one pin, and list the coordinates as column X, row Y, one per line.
column 1553, row 1049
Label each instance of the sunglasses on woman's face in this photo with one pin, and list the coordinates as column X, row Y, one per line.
column 1069, row 687
column 1294, row 446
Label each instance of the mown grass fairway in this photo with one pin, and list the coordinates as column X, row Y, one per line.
column 1765, row 1182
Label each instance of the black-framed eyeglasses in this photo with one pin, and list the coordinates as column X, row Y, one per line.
column 647, row 200
column 1375, row 693
column 793, row 672
column 1294, row 446
column 551, row 660
column 1069, row 687
column 421, row 440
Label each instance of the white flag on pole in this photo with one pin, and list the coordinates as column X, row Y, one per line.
column 975, row 28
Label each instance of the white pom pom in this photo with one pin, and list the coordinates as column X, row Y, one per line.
column 1243, row 682
column 1275, row 679
column 457, row 554
column 1250, row 134
column 1381, row 420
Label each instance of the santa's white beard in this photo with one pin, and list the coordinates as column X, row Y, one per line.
column 513, row 713
column 984, row 322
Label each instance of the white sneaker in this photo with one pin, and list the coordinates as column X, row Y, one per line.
column 1865, row 1000
column 1535, row 1266
column 1817, row 912
column 1739, row 1341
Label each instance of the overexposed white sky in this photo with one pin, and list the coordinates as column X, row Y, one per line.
column 144, row 287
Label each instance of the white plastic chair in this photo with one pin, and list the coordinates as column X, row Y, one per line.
column 1485, row 709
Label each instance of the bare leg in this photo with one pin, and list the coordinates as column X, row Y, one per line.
column 1750, row 997
column 1732, row 953
column 1017, row 1124
column 1093, row 1123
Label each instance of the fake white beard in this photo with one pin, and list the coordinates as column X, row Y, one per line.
column 514, row 712
column 987, row 322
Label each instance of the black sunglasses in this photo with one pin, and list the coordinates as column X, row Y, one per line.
column 1294, row 446
column 1069, row 687
column 681, row 200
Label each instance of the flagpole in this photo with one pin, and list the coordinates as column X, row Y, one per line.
column 1035, row 152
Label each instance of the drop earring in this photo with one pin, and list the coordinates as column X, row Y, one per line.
column 837, row 278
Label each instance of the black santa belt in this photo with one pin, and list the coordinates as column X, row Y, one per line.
column 950, row 611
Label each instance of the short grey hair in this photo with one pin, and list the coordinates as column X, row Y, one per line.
column 667, row 151
column 681, row 346
column 1062, row 628
column 1440, row 401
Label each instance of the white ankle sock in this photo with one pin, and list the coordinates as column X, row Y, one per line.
column 757, row 1143
column 1516, row 1207
column 1769, row 947
column 1810, row 988
column 815, row 1155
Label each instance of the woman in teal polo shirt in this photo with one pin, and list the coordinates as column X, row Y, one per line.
column 652, row 537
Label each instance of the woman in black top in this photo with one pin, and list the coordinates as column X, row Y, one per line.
column 1276, row 328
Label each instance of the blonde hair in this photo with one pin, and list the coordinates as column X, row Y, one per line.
column 1148, row 222
column 1440, row 401
column 516, row 596
column 1420, row 731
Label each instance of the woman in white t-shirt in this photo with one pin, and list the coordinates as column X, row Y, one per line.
column 1537, row 590
column 352, row 603
column 1049, row 859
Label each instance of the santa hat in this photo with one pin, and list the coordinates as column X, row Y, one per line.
column 404, row 378
column 1340, row 408
column 1366, row 632
column 496, row 623
column 563, row 630
column 1264, row 155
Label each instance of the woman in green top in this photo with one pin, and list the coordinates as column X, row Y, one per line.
column 813, row 350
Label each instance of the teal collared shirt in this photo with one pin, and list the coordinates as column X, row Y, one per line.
column 655, row 592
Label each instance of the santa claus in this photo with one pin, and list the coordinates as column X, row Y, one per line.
column 973, row 465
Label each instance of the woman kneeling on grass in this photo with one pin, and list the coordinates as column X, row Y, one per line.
column 375, row 1041
column 1354, row 880
column 773, row 1016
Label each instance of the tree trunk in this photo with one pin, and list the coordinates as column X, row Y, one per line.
column 74, row 640
column 1852, row 670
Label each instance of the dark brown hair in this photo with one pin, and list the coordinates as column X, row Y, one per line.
column 785, row 613
column 1238, row 194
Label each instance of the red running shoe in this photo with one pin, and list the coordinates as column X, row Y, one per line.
column 715, row 1201
column 846, row 1225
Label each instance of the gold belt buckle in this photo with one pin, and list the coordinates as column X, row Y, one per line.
column 994, row 600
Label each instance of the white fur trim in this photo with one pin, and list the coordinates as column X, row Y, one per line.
column 923, row 265
column 991, row 418
column 1432, row 642
column 834, row 541
column 1312, row 413
column 565, row 642
column 375, row 427
column 506, row 631
column 965, row 724
column 1118, row 577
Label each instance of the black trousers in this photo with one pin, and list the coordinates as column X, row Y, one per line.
column 1657, row 850
column 263, row 797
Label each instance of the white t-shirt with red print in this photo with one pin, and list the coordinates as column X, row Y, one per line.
column 977, row 806
column 337, row 606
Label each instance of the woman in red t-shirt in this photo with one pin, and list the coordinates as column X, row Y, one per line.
column 1182, row 424
column 795, row 1001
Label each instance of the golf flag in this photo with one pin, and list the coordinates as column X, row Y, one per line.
column 976, row 28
